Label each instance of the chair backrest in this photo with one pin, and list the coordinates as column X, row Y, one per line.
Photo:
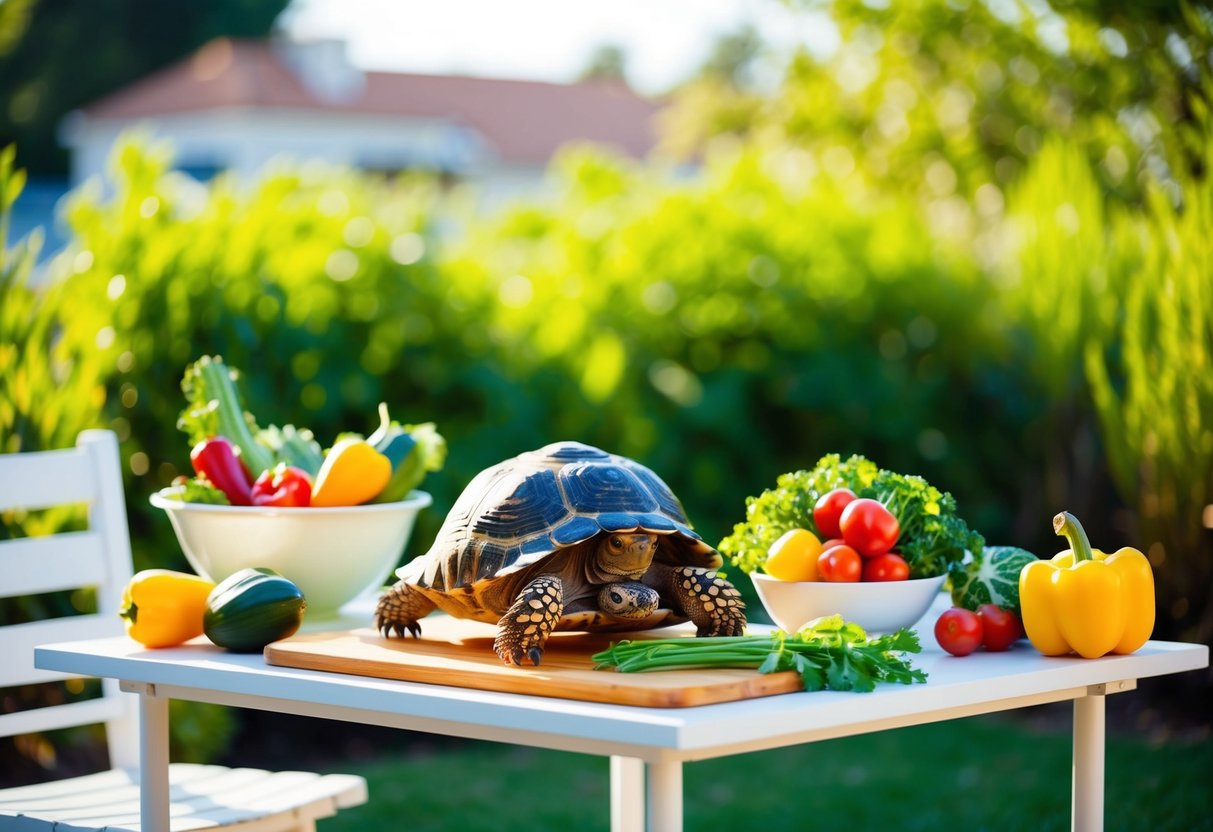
column 99, row 557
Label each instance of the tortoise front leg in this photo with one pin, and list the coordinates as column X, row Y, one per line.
column 525, row 627
column 713, row 604
column 400, row 609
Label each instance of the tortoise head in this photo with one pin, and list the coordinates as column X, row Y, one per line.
column 621, row 556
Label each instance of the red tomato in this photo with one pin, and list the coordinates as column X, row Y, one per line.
column 829, row 508
column 887, row 567
column 1000, row 628
column 832, row 542
column 958, row 631
column 840, row 564
column 868, row 527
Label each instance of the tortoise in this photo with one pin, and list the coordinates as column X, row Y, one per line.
column 566, row 537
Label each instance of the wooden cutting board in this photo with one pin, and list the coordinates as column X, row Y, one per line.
column 456, row 652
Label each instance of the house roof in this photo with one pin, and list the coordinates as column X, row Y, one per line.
column 522, row 121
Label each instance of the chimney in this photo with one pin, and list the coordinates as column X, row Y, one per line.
column 322, row 66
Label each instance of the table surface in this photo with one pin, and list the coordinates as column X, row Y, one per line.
column 956, row 687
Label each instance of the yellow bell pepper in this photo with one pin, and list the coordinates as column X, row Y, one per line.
column 352, row 473
column 1085, row 601
column 163, row 608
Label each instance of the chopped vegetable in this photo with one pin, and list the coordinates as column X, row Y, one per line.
column 932, row 533
column 989, row 578
column 828, row 653
column 1085, row 601
column 213, row 408
column 216, row 460
column 163, row 608
column 353, row 473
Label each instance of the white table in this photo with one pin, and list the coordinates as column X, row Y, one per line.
column 647, row 746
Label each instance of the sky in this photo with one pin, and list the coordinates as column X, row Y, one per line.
column 551, row 40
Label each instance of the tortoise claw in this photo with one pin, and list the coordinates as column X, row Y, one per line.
column 535, row 654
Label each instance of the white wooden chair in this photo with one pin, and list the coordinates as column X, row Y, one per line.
column 201, row 796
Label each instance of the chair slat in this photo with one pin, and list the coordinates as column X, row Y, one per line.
column 47, row 478
column 20, row 640
column 200, row 797
column 36, row 720
column 32, row 565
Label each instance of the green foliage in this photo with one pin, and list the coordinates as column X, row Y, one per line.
column 293, row 282
column 60, row 55
column 49, row 391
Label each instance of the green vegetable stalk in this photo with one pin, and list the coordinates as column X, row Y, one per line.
column 295, row 447
column 213, row 408
column 829, row 654
column 413, row 450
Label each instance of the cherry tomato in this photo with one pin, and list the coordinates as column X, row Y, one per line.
column 887, row 567
column 958, row 631
column 829, row 508
column 840, row 564
column 868, row 527
column 1000, row 628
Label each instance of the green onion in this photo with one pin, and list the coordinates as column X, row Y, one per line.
column 828, row 653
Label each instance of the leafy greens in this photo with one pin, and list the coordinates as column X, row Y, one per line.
column 933, row 535
column 829, row 654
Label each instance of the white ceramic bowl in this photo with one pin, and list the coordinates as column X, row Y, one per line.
column 877, row 606
column 333, row 554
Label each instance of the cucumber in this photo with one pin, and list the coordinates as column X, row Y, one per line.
column 252, row 607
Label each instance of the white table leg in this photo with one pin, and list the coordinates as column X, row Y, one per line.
column 1088, row 799
column 627, row 794
column 665, row 796
column 153, row 762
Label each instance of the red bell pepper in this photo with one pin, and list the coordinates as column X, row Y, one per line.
column 283, row 485
column 216, row 460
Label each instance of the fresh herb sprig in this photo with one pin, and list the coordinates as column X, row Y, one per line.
column 829, row 654
column 933, row 534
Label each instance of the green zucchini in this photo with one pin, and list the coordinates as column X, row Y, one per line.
column 252, row 607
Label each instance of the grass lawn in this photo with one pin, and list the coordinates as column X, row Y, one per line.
column 982, row 773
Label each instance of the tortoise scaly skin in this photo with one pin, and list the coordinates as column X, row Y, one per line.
column 567, row 537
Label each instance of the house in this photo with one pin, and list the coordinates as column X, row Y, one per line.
column 235, row 104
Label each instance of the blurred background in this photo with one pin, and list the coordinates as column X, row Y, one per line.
column 969, row 239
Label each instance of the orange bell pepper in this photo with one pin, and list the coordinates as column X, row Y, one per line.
column 1085, row 601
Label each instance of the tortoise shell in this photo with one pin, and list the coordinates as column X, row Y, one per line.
column 524, row 509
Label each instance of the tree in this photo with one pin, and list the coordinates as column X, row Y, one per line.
column 59, row 55
column 607, row 63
